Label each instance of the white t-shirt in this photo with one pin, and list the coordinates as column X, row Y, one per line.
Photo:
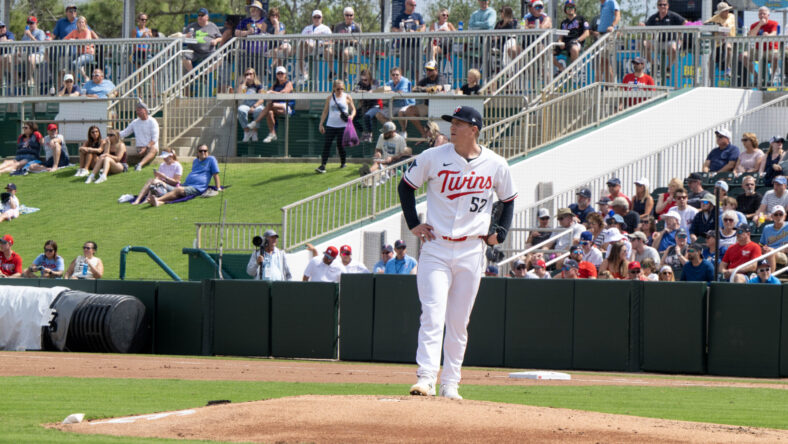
column 48, row 145
column 81, row 272
column 317, row 30
column 318, row 271
column 687, row 215
column 460, row 192
column 12, row 210
column 391, row 147
column 565, row 241
column 144, row 132
column 355, row 267
column 648, row 252
column 171, row 170
column 594, row 256
column 532, row 275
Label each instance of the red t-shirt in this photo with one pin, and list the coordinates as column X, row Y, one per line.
column 11, row 265
column 770, row 26
column 645, row 79
column 587, row 270
column 620, row 194
column 738, row 254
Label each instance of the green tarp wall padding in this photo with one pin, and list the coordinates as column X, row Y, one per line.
column 233, row 266
column 304, row 319
column 487, row 325
column 784, row 334
column 145, row 291
column 240, row 317
column 744, row 330
column 356, row 302
column 86, row 285
column 601, row 325
column 396, row 318
column 539, row 323
column 674, row 327
column 179, row 318
column 22, row 282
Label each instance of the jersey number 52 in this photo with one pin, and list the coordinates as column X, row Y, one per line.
column 477, row 203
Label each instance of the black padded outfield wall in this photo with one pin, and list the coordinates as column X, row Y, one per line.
column 487, row 326
column 179, row 319
column 395, row 319
column 784, row 334
column 304, row 319
column 239, row 321
column 356, row 305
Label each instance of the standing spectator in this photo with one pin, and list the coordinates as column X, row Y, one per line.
column 614, row 188
column 351, row 266
column 397, row 84
column 28, row 148
column 704, row 221
column 204, row 168
column 676, row 255
column 666, row 274
column 86, row 52
column 6, row 56
column 146, row 137
column 269, row 263
column 98, row 86
column 724, row 156
column 609, row 16
column 726, row 18
column 278, row 50
column 390, row 149
column 582, row 208
column 697, row 269
column 696, row 194
column 164, row 180
column 49, row 264
column 483, row 18
column 282, row 85
column 631, row 218
column 10, row 262
column 86, row 266
column 386, row 253
column 305, row 47
column 432, row 82
column 66, row 24
column 539, row 270
column 443, row 24
column 772, row 198
column 667, row 236
column 250, row 110
column 566, row 220
column 536, row 18
column 369, row 107
column 771, row 166
column 642, row 202
column 409, row 21
column 769, row 53
column 775, row 235
column 141, row 31
column 764, row 275
column 207, row 35
column 507, row 46
column 640, row 250
column 616, row 262
column 10, row 203
column 473, row 86
column 347, row 49
column 744, row 250
column 112, row 160
column 749, row 201
column 537, row 237
column 253, row 24
column 89, row 151
column 638, row 78
column 70, row 88
column 570, row 45
column 752, row 159
column 338, row 110
column 590, row 252
column 35, row 56
column 55, row 149
column 401, row 263
column 686, row 212
column 635, row 272
column 664, row 17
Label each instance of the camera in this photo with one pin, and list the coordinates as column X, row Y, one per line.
column 260, row 242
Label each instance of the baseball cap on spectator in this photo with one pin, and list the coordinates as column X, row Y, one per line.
column 68, row 77
column 763, row 262
column 563, row 212
column 540, row 264
column 681, row 232
column 611, row 235
column 604, row 200
column 7, row 239
column 165, row 154
column 345, row 250
column 255, row 4
column 586, row 236
column 317, row 13
column 389, row 127
column 634, row 265
column 710, row 199
column 431, row 65
column 642, row 182
column 585, row 192
column 51, row 127
column 724, row 133
column 571, row 263
column 32, row 19
column 280, row 68
column 576, row 248
column 638, row 235
column 10, row 186
column 270, row 233
column 569, row 4
column 778, row 209
column 491, row 270
column 387, row 249
column 620, row 202
column 202, row 11
column 399, row 244
column 722, row 184
column 519, row 264
column 781, row 180
column 673, row 214
column 639, row 60
column 543, row 213
column 331, row 252
column 465, row 114
column 2, row 23
column 537, row 3
column 777, row 139
column 616, row 218
column 710, row 234
column 695, row 176
column 743, row 228
column 614, row 181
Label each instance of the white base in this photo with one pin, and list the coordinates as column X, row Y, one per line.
column 541, row 375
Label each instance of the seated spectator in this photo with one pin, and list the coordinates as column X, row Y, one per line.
column 710, row 250
column 204, row 168
column 595, row 224
column 664, row 17
column 666, row 274
column 772, row 167
column 401, row 263
column 769, row 54
column 582, row 208
column 640, row 249
column 250, row 110
column 536, row 17
column 48, row 264
column 667, row 237
column 10, row 262
column 635, row 272
column 34, row 56
column 586, row 269
column 6, row 55
column 695, row 192
column 614, row 188
column 631, row 218
column 676, row 255
column 390, row 149
column 324, row 268
column 98, row 86
column 748, row 202
column 648, row 226
column 685, row 212
column 69, row 88
column 86, row 52
column 146, row 137
column 278, row 50
column 696, row 268
column 164, row 180
column 519, row 269
column 616, row 262
column 571, row 44
column 506, row 46
column 347, row 49
column 665, row 201
column 434, row 135
column 775, row 235
column 649, row 269
column 207, row 35
column 744, row 250
column 431, row 83
column 728, row 230
column 703, row 222
column 752, row 158
column 89, row 151
column 87, row 265
column 439, row 46
column 407, row 22
column 397, row 84
column 729, row 203
column 56, row 151
column 642, row 202
column 772, row 198
column 537, row 237
column 369, row 107
column 539, row 270
column 10, row 209
column 764, row 275
column 724, row 156
column 112, row 160
column 386, row 253
column 28, row 148
column 473, row 86
column 603, row 207
column 590, row 252
column 566, row 220
column 282, row 85
column 617, row 222
column 307, row 47
column 570, row 270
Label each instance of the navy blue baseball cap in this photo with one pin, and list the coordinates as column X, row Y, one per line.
column 492, row 269
column 585, row 192
column 614, row 181
column 586, row 236
column 202, row 11
column 466, row 114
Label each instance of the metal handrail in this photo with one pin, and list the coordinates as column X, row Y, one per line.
column 125, row 251
column 580, row 64
column 535, row 247
column 758, row 259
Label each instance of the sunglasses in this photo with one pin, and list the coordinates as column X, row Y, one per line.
column 202, row 151
column 31, row 23
column 637, row 271
column 143, row 20
column 749, row 184
column 636, row 63
column 281, row 73
column 538, row 7
column 522, row 267
column 778, row 214
column 85, row 247
column 728, row 220
column 680, row 197
column 666, row 272
column 662, row 4
column 49, row 250
column 584, row 242
column 400, row 248
column 348, row 15
column 745, row 140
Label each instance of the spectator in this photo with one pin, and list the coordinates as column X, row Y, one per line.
column 431, row 83
column 642, row 202
column 769, row 53
column 443, row 24
column 325, row 268
column 369, row 107
column 28, row 148
column 640, row 250
column 6, row 55
column 207, row 35
column 10, row 262
column 390, row 149
column 351, row 266
column 473, row 86
column 727, row 202
column 250, row 110
column 664, row 17
column 586, row 269
column 141, row 31
column 98, row 86
column 279, row 50
column 408, row 22
column 724, row 17
column 748, row 202
column 764, row 275
column 614, row 188
column 434, row 135
column 631, row 218
column 772, row 198
column 164, row 180
column 69, row 88
column 666, row 274
column 10, row 209
column 582, row 208
column 616, row 262
column 282, row 85
column 566, row 220
column 638, row 78
column 595, row 225
column 612, row 236
column 649, row 269
column 347, row 49
column 676, row 255
column 338, row 110
column 483, row 18
column 667, row 236
column 609, row 16
column 491, row 271
column 204, row 168
column 537, row 237
column 571, row 44
column 686, row 212
column 86, row 52
column 146, row 137
column 616, row 221
column 35, row 56
column 590, row 252
column 648, row 226
column 268, row 262
column 711, row 247
column 570, row 270
column 65, row 25
column 228, row 30
column 519, row 269
column 704, row 221
column 696, row 268
column 635, row 272
column 752, row 159
column 305, row 47
column 771, row 167
column 603, row 207
column 401, row 263
column 728, row 231
column 775, row 235
column 56, row 151
column 49, row 264
column 112, row 160
column 539, row 270
column 253, row 24
column 89, row 151
column 665, row 201
column 397, row 84
column 536, row 18
column 724, row 156
column 506, row 46
column 744, row 250
column 696, row 193
column 386, row 253
column 86, row 266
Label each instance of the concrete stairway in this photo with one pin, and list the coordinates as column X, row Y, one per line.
column 213, row 126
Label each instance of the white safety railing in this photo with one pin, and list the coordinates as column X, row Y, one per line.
column 747, row 62
column 230, row 236
column 504, row 266
column 583, row 71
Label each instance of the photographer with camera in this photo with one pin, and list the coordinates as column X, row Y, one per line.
column 268, row 262
column 10, row 203
column 49, row 264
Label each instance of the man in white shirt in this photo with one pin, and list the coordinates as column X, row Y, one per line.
column 305, row 47
column 351, row 266
column 269, row 263
column 590, row 252
column 772, row 198
column 146, row 136
column 566, row 219
column 686, row 212
column 325, row 268
column 641, row 250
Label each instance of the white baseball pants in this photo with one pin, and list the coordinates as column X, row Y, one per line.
column 448, row 280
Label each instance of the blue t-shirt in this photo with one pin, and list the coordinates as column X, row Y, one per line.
column 380, row 267
column 400, row 266
column 201, row 173
column 403, row 86
column 408, row 22
column 774, row 238
column 38, row 35
column 63, row 27
column 719, row 158
column 581, row 214
column 703, row 272
column 771, row 280
column 607, row 15
column 668, row 239
column 55, row 264
column 102, row 89
column 709, row 256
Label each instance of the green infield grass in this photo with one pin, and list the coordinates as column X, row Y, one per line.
column 28, row 402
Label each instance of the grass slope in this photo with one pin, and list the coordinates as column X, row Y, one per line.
column 73, row 212
column 28, row 402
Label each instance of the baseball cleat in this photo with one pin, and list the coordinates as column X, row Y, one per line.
column 449, row 391
column 424, row 387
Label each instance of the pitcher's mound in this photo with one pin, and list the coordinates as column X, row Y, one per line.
column 363, row 419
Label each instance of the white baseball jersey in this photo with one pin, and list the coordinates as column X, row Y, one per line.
column 460, row 192
column 319, row 271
